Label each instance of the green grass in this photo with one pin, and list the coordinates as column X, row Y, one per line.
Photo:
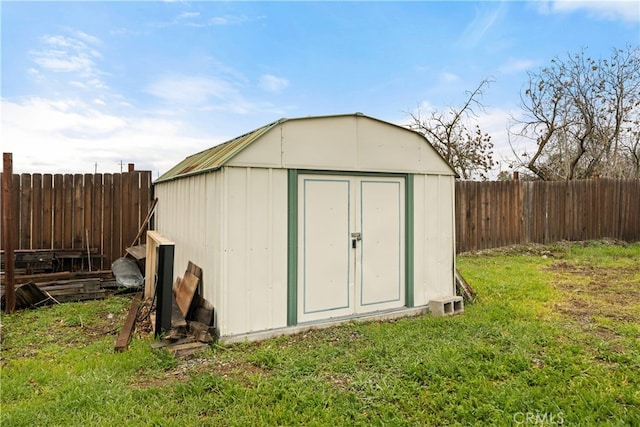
column 554, row 336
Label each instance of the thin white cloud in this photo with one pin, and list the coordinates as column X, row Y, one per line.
column 34, row 73
column 97, row 83
column 88, row 38
column 448, row 77
column 122, row 32
column 516, row 65
column 187, row 90
column 73, row 54
column 229, row 19
column 272, row 83
column 77, row 84
column 190, row 19
column 187, row 15
column 218, row 20
column 628, row 11
column 196, row 19
column 198, row 93
column 60, row 61
column 482, row 23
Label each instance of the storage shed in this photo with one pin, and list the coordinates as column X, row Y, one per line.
column 308, row 221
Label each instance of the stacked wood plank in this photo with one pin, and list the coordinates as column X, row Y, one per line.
column 32, row 294
column 75, row 290
column 64, row 275
column 192, row 320
column 31, row 262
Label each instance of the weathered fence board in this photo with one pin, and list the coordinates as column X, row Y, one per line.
column 493, row 214
column 101, row 213
column 106, row 210
column 47, row 210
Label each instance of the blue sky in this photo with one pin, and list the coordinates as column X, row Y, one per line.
column 87, row 85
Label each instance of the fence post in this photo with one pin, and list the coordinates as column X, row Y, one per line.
column 8, row 225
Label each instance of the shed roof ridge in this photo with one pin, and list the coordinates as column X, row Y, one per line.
column 214, row 158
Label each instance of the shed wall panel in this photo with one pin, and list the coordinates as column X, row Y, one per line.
column 233, row 224
column 254, row 285
column 184, row 215
column 215, row 243
column 434, row 238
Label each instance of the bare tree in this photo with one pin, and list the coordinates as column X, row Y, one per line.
column 584, row 116
column 468, row 151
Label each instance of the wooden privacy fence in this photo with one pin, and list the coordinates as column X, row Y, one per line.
column 65, row 212
column 97, row 212
column 501, row 213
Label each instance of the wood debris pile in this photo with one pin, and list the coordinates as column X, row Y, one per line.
column 192, row 318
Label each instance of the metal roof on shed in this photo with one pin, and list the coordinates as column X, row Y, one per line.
column 214, row 158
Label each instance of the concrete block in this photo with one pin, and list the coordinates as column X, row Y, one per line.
column 446, row 306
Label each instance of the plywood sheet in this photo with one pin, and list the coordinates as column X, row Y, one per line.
column 185, row 291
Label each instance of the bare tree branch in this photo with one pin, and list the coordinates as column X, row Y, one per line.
column 582, row 114
column 468, row 151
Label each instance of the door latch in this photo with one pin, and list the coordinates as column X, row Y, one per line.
column 354, row 239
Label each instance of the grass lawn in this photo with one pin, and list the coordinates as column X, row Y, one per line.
column 554, row 338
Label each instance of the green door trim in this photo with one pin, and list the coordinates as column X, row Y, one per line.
column 292, row 248
column 292, row 235
column 408, row 240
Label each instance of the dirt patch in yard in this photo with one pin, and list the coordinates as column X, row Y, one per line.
column 190, row 368
column 590, row 292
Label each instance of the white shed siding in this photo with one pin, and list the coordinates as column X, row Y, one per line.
column 434, row 237
column 346, row 143
column 233, row 224
column 184, row 216
column 254, row 278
